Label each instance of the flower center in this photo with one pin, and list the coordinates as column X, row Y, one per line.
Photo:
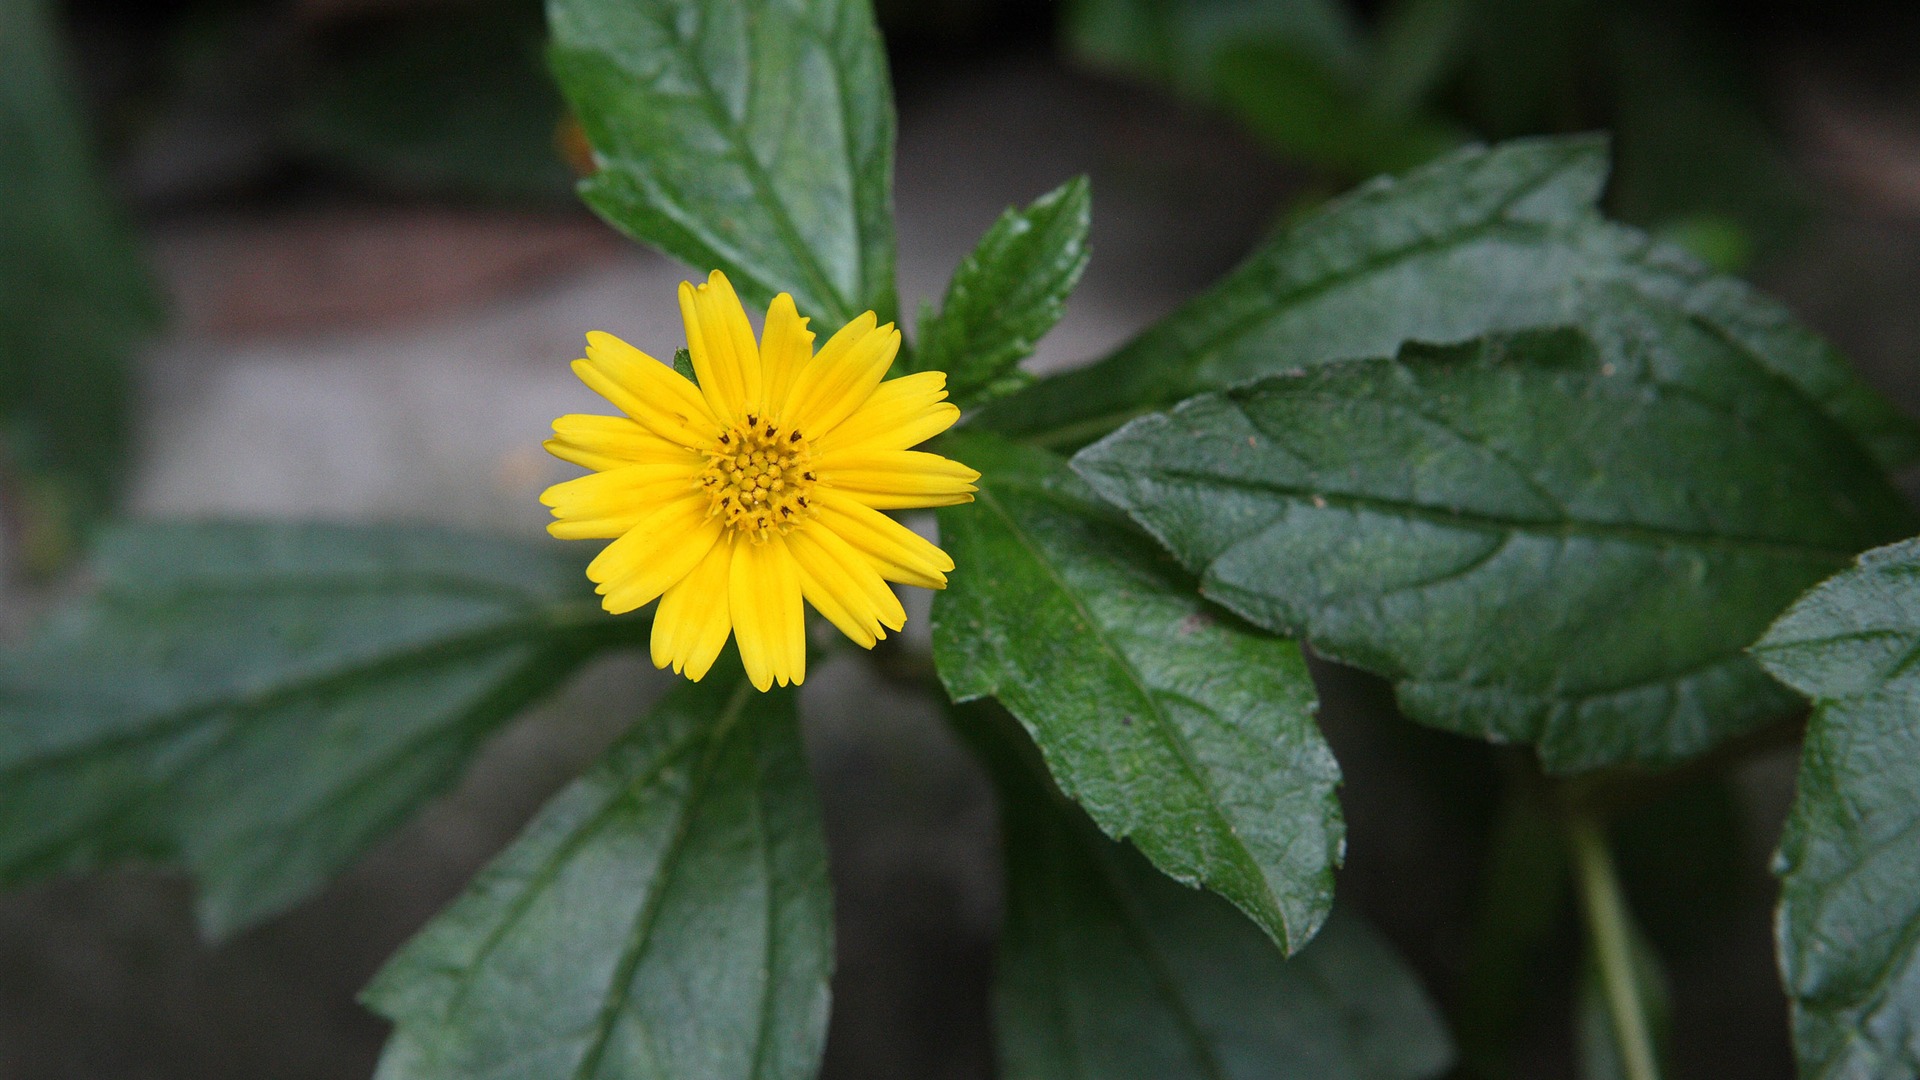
column 758, row 478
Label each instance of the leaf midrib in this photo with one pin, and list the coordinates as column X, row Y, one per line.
column 641, row 933
column 807, row 262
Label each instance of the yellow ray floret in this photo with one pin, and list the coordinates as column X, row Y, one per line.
column 738, row 500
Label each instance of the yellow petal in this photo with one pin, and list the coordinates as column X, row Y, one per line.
column 785, row 346
column 843, row 585
column 828, row 388
column 604, row 505
column 901, row 413
column 897, row 552
column 725, row 359
column 897, row 479
column 655, row 554
column 609, row 442
column 693, row 622
column 763, row 594
column 647, row 390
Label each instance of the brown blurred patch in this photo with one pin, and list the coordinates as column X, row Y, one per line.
column 326, row 269
column 1868, row 146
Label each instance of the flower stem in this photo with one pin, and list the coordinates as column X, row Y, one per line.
column 1605, row 907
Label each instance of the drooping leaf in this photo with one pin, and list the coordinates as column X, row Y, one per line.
column 755, row 137
column 1175, row 726
column 1109, row 971
column 1537, row 545
column 74, row 300
column 1006, row 295
column 263, row 702
column 1484, row 240
column 1849, row 896
column 667, row 915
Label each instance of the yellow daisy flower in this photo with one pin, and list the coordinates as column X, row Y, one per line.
column 733, row 499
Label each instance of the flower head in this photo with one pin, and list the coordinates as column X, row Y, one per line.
column 732, row 500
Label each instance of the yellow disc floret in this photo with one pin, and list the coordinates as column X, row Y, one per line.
column 758, row 478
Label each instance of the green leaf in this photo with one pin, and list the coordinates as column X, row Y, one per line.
column 1295, row 72
column 1487, row 239
column 667, row 915
column 1007, row 294
column 1174, row 726
column 444, row 100
column 74, row 300
column 263, row 702
column 1301, row 110
column 1109, row 971
column 1180, row 42
column 1537, row 545
column 755, row 136
column 1848, row 907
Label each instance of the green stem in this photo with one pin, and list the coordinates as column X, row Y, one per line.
column 1608, row 924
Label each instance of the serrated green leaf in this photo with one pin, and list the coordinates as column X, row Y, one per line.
column 1006, row 295
column 1484, row 240
column 75, row 299
column 1174, row 726
column 667, row 915
column 754, row 137
column 1109, row 971
column 263, row 702
column 1537, row 545
column 1849, row 904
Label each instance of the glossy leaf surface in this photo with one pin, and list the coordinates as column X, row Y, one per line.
column 1173, row 724
column 1006, row 295
column 754, row 137
column 1109, row 971
column 1535, row 544
column 1487, row 239
column 667, row 915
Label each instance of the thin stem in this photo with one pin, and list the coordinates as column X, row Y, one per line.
column 1605, row 907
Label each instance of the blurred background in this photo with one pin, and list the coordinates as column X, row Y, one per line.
column 321, row 259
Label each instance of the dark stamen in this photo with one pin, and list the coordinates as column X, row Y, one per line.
column 723, row 437
column 795, row 437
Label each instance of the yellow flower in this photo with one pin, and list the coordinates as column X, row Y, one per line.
column 732, row 500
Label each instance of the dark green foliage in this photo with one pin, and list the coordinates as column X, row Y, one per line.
column 1850, row 898
column 1484, row 240
column 755, row 137
column 1175, row 726
column 1006, row 295
column 1299, row 73
column 1108, row 971
column 667, row 915
column 455, row 100
column 1535, row 543
column 262, row 702
column 74, row 300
